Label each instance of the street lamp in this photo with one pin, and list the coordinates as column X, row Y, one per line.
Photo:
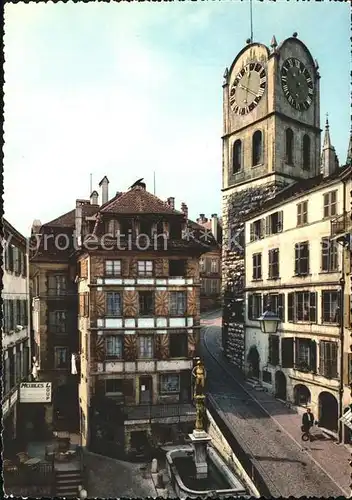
column 269, row 321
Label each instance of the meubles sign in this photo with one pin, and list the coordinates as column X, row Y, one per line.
column 35, row 392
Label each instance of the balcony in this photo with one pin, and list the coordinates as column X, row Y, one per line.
column 162, row 413
column 341, row 225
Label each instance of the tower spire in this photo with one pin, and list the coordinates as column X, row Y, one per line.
column 327, row 140
column 349, row 150
column 329, row 161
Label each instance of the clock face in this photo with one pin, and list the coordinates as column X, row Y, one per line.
column 297, row 84
column 248, row 88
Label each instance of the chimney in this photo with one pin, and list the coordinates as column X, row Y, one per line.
column 94, row 198
column 36, row 226
column 104, row 184
column 171, row 202
column 78, row 222
column 184, row 210
column 202, row 219
column 214, row 226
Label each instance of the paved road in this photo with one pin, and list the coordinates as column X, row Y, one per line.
column 287, row 468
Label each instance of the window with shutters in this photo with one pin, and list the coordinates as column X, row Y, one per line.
column 169, row 383
column 302, row 213
column 302, row 306
column 11, row 315
column 6, row 379
column 113, row 267
column 113, row 304
column 328, row 359
column 114, row 346
column 277, row 304
column 254, row 306
column 257, row 266
column 58, row 322
column 274, row 350
column 178, row 303
column 330, row 203
column 257, row 230
column 302, row 258
column 237, row 156
column 331, row 306
column 145, row 268
column 146, row 347
column 16, row 260
column 274, row 223
column 305, row 355
column 274, row 265
column 18, row 369
column 329, row 255
column 57, row 285
column 287, row 355
column 18, row 313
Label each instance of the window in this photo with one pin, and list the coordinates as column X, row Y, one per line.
column 257, row 266
column 145, row 268
column 10, row 254
column 17, row 312
column 169, row 383
column 146, row 303
column 146, row 347
column 213, row 286
column 257, row 230
column 113, row 304
column 178, row 303
column 125, row 228
column 113, row 267
column 57, row 285
column 25, row 361
column 236, row 156
column 306, row 152
column 177, row 267
column 18, row 365
column 274, row 270
column 328, row 359
column 254, row 306
column 61, row 357
column 277, row 303
column 302, row 213
column 302, row 306
column 287, row 352
column 274, row 223
column 11, row 315
column 305, row 355
column 214, row 266
column 145, row 227
column 16, row 260
column 159, row 227
column 274, row 350
column 201, row 265
column 330, row 203
column 113, row 346
column 12, row 370
column 331, row 306
column 329, row 255
column 202, row 285
column 302, row 258
column 113, row 386
column 178, row 345
column 57, row 322
column 112, row 227
column 257, row 148
column 175, row 230
column 289, row 146
column 267, row 378
column 6, row 379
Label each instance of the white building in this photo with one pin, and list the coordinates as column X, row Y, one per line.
column 292, row 264
column 16, row 331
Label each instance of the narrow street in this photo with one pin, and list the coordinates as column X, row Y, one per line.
column 270, row 431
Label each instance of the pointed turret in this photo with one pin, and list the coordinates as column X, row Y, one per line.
column 329, row 161
column 349, row 151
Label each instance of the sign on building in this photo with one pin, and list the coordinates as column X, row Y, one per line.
column 35, row 392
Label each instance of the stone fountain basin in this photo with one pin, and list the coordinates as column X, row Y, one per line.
column 236, row 488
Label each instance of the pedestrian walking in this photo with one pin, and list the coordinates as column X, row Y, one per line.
column 307, row 424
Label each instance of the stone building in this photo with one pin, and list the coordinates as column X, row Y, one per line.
column 16, row 343
column 210, row 265
column 131, row 309
column 271, row 139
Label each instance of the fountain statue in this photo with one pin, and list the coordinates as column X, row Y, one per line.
column 199, row 436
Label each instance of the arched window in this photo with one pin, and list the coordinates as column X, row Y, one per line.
column 237, row 156
column 289, row 146
column 306, row 152
column 257, row 146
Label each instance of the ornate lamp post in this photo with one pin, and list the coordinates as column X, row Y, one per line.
column 269, row 321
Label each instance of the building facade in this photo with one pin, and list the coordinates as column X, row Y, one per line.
column 297, row 267
column 271, row 139
column 16, row 343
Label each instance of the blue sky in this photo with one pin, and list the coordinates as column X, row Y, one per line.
column 125, row 89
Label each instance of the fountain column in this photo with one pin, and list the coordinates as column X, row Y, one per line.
column 199, row 437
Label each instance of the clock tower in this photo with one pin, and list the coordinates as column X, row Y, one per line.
column 271, row 138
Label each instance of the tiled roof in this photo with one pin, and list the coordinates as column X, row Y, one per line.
column 136, row 201
column 300, row 188
column 68, row 219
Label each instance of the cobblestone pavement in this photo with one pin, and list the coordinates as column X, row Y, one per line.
column 271, row 431
column 109, row 478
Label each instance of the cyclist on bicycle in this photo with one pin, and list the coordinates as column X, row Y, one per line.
column 307, row 422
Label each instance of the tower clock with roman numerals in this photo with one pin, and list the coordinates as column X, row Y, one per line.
column 248, row 88
column 297, row 84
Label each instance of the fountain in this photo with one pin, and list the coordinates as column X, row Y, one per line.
column 198, row 469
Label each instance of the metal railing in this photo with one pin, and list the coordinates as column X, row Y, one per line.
column 149, row 411
column 341, row 225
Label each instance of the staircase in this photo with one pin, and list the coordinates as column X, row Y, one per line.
column 67, row 482
column 255, row 384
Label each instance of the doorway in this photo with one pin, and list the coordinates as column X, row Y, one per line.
column 280, row 385
column 328, row 411
column 145, row 390
column 253, row 362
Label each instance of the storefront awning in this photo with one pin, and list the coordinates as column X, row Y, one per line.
column 346, row 418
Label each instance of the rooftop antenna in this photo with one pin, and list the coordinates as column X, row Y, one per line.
column 154, row 180
column 91, row 183
column 251, row 19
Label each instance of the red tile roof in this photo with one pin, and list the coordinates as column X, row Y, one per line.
column 68, row 219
